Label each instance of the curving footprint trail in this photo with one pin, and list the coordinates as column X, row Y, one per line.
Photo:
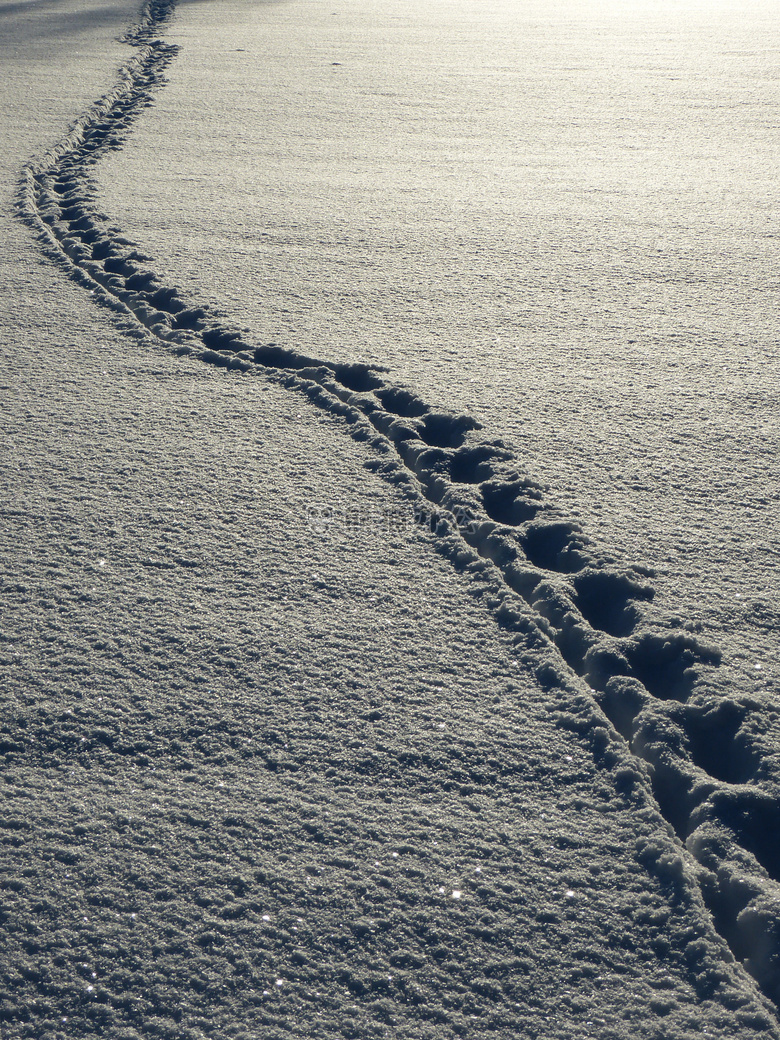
column 570, row 614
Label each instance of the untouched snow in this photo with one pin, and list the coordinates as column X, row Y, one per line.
column 321, row 715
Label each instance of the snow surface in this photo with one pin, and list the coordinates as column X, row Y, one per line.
column 322, row 714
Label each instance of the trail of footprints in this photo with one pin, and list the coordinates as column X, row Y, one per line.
column 546, row 585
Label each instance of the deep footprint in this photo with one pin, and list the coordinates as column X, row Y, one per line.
column 607, row 600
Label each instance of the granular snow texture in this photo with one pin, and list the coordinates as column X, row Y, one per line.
column 321, row 715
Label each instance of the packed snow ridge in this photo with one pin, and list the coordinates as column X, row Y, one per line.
column 574, row 618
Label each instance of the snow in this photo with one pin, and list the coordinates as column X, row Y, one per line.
column 209, row 730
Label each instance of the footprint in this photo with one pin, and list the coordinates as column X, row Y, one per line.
column 273, row 356
column 118, row 265
column 357, row 377
column 665, row 664
column 512, row 502
column 191, row 319
column 72, row 213
column 167, row 300
column 754, row 819
column 555, row 547
column 603, row 663
column 472, row 465
column 143, row 281
column 401, row 402
column 604, row 599
column 443, row 430
column 715, row 743
column 220, row 338
column 102, row 248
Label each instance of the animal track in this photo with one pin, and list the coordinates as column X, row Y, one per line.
column 607, row 600
column 754, row 819
column 555, row 547
column 511, row 502
column 545, row 582
column 476, row 464
column 715, row 744
column 666, row 665
column 442, row 430
column 400, row 401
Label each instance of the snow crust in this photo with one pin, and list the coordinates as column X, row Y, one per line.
column 270, row 761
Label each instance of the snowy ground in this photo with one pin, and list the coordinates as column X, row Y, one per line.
column 278, row 759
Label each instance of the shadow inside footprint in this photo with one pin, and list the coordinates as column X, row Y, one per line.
column 473, row 465
column 714, row 744
column 664, row 664
column 143, row 281
column 357, row 377
column 279, row 357
column 605, row 600
column 754, row 819
column 510, row 503
column 220, row 338
column 91, row 236
column 443, row 430
column 401, row 402
column 554, row 547
column 189, row 320
column 119, row 265
column 167, row 300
